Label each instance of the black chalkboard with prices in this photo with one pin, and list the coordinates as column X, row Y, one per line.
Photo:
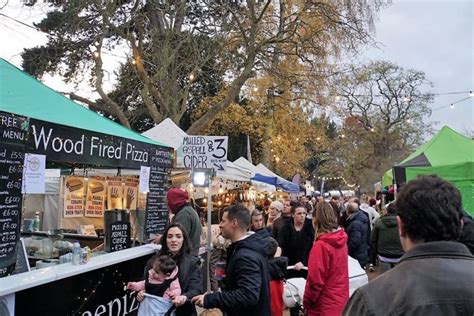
column 13, row 136
column 156, row 218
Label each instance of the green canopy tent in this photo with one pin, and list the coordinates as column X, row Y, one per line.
column 449, row 155
column 387, row 178
column 35, row 119
column 24, row 95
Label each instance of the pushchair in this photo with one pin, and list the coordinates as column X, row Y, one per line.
column 293, row 291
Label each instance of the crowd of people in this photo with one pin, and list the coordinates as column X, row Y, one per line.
column 421, row 243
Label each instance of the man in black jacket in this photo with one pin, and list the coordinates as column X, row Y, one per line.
column 436, row 274
column 357, row 229
column 247, row 290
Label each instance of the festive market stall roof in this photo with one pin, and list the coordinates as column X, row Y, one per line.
column 273, row 178
column 449, row 155
column 168, row 133
column 24, row 95
column 171, row 134
column 247, row 165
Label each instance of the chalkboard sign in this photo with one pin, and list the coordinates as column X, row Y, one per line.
column 119, row 236
column 22, row 264
column 156, row 217
column 13, row 135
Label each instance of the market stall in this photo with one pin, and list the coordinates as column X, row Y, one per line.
column 42, row 130
column 449, row 155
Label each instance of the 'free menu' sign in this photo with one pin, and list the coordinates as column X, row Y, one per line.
column 13, row 136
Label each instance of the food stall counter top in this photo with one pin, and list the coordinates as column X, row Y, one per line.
column 18, row 282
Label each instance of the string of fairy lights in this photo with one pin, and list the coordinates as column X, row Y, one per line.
column 90, row 293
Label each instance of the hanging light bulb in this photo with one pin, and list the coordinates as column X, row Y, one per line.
column 452, row 105
column 471, row 94
column 191, row 77
column 255, row 89
column 96, row 54
column 221, row 190
column 204, row 201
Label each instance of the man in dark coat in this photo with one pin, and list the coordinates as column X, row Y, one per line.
column 178, row 202
column 467, row 236
column 435, row 276
column 357, row 229
column 247, row 290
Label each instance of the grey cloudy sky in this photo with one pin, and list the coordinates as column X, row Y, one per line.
column 435, row 37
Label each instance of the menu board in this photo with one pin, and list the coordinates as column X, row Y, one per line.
column 130, row 193
column 95, row 198
column 74, row 196
column 13, row 134
column 156, row 217
column 22, row 264
column 114, row 192
column 119, row 236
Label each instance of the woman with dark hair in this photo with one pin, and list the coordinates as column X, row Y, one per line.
column 295, row 240
column 175, row 242
column 327, row 285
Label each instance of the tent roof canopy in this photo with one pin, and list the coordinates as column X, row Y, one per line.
column 24, row 95
column 445, row 148
column 167, row 132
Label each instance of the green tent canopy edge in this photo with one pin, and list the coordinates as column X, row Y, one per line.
column 23, row 95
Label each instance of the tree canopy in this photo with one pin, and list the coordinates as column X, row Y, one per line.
column 171, row 46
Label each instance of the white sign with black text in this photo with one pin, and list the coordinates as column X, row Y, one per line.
column 34, row 174
column 205, row 152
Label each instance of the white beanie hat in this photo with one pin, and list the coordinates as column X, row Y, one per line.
column 277, row 205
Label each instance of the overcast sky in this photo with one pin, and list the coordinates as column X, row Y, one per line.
column 434, row 36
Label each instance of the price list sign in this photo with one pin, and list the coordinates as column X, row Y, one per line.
column 156, row 217
column 13, row 134
column 119, row 236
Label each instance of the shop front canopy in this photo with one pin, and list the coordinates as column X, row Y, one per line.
column 24, row 95
column 67, row 132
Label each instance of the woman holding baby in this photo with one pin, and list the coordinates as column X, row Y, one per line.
column 175, row 244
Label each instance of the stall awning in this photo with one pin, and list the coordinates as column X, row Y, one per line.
column 24, row 95
column 277, row 182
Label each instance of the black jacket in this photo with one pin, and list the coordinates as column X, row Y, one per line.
column 357, row 229
column 190, row 280
column 296, row 245
column 467, row 236
column 278, row 225
column 433, row 278
column 385, row 238
column 247, row 290
column 277, row 267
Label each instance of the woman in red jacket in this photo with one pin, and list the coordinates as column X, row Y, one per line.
column 327, row 284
